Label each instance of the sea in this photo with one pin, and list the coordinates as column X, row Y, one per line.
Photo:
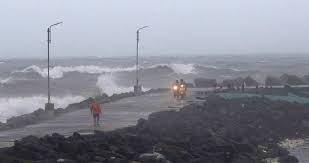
column 23, row 82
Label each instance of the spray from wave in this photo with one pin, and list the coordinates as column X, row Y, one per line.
column 107, row 85
column 15, row 106
column 183, row 68
column 5, row 80
column 58, row 71
column 178, row 67
column 236, row 69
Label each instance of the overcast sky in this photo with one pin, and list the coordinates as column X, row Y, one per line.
column 177, row 27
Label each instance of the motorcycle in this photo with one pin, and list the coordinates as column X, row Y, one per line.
column 182, row 91
column 175, row 91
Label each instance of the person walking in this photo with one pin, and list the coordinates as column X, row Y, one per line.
column 96, row 112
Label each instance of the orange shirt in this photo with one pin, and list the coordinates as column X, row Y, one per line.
column 95, row 107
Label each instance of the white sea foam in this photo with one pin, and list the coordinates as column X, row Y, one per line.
column 236, row 69
column 107, row 85
column 211, row 66
column 59, row 71
column 263, row 61
column 183, row 68
column 15, row 106
column 178, row 67
column 5, row 80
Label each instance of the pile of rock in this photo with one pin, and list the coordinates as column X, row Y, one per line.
column 205, row 83
column 291, row 79
column 306, row 79
column 273, row 81
column 249, row 81
column 238, row 82
column 285, row 79
column 239, row 130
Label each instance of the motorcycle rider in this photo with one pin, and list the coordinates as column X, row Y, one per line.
column 175, row 89
column 182, row 88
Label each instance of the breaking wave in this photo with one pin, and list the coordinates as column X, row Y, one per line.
column 236, row 69
column 58, row 71
column 107, row 85
column 179, row 68
column 5, row 80
column 15, row 106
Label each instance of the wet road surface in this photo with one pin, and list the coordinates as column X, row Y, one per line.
column 117, row 114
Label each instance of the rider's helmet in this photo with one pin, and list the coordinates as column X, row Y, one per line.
column 177, row 81
column 182, row 83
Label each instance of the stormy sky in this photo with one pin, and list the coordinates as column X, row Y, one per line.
column 106, row 28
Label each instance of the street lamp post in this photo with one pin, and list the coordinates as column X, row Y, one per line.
column 137, row 87
column 49, row 106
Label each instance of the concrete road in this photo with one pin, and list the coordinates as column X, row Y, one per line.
column 117, row 114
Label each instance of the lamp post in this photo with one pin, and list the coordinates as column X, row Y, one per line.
column 137, row 87
column 49, row 106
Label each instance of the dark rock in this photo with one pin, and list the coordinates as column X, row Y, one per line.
column 64, row 161
column 291, row 79
column 190, row 85
column 273, row 81
column 250, row 81
column 288, row 159
column 218, row 130
column 205, row 83
column 306, row 79
column 152, row 158
column 233, row 82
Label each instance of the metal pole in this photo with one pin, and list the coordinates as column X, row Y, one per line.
column 48, row 42
column 137, row 66
column 137, row 41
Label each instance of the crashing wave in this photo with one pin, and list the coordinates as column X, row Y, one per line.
column 210, row 66
column 107, row 85
column 58, row 71
column 183, row 68
column 15, row 106
column 236, row 69
column 5, row 80
column 178, row 67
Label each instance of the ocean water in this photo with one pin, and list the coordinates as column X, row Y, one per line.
column 23, row 82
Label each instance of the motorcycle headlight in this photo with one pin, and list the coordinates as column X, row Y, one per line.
column 175, row 87
column 181, row 86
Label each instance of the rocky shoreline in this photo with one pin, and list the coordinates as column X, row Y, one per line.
column 41, row 115
column 244, row 130
column 284, row 79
